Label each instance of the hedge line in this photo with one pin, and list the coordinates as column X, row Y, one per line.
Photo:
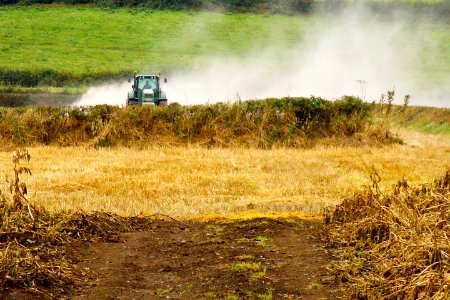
column 261, row 6
column 276, row 6
column 289, row 122
column 9, row 99
column 49, row 77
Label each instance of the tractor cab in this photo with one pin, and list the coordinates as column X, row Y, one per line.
column 146, row 91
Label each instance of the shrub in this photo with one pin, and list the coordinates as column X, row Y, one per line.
column 289, row 122
column 394, row 245
column 278, row 6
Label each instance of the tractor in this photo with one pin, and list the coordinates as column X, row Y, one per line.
column 146, row 91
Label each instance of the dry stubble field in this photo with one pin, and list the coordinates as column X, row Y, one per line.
column 284, row 257
column 196, row 182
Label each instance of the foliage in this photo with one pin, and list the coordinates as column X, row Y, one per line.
column 395, row 245
column 49, row 77
column 284, row 6
column 290, row 122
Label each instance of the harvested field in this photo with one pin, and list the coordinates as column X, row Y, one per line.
column 275, row 171
column 202, row 256
column 187, row 182
column 223, row 244
column 103, row 256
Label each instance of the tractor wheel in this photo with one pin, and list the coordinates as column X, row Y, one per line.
column 162, row 102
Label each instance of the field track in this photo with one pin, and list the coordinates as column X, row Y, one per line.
column 198, row 260
column 241, row 259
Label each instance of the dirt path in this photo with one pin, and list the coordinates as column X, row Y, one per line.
column 257, row 259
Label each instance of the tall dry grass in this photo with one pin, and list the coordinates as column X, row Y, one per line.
column 290, row 122
column 195, row 181
column 395, row 245
column 31, row 256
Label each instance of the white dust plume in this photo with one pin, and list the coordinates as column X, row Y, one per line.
column 112, row 94
column 356, row 54
column 353, row 53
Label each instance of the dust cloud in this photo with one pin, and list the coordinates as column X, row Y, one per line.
column 353, row 53
column 112, row 94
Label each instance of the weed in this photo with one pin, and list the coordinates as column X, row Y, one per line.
column 245, row 257
column 314, row 286
column 258, row 275
column 245, row 266
column 262, row 296
column 243, row 240
column 209, row 295
column 164, row 291
column 291, row 222
column 265, row 296
column 263, row 241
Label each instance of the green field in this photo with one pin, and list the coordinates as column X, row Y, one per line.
column 85, row 41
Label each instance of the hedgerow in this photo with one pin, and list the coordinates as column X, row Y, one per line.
column 289, row 122
column 279, row 6
column 49, row 77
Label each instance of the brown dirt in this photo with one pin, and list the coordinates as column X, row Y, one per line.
column 251, row 259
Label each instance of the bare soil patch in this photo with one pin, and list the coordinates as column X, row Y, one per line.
column 235, row 259
column 259, row 259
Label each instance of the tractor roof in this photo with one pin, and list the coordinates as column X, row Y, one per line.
column 147, row 75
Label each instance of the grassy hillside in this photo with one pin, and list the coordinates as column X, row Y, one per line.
column 59, row 45
column 87, row 42
column 424, row 119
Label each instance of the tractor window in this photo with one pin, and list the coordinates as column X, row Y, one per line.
column 147, row 83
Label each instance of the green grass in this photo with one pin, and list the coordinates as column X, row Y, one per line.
column 423, row 119
column 245, row 266
column 427, row 127
column 83, row 39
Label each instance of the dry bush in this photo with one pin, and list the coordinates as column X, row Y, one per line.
column 395, row 245
column 289, row 122
column 383, row 115
column 30, row 256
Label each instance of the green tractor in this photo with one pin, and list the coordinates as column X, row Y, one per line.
column 147, row 91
